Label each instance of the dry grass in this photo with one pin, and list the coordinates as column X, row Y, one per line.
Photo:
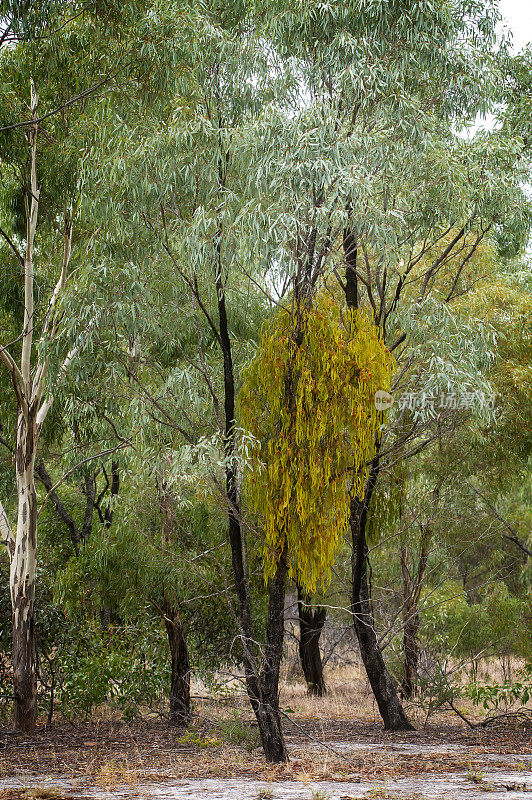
column 222, row 742
column 348, row 697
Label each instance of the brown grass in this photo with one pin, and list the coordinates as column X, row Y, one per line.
column 222, row 742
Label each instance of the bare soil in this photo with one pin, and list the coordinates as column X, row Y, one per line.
column 333, row 754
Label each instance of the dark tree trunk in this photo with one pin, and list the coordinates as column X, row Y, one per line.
column 267, row 709
column 106, row 517
column 311, row 622
column 351, row 280
column 180, row 667
column 262, row 684
column 24, row 667
column 382, row 685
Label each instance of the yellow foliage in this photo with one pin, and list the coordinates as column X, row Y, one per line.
column 308, row 399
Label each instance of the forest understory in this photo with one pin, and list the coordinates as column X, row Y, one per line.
column 338, row 749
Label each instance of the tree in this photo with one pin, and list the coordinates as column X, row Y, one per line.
column 39, row 159
column 311, row 622
column 33, row 404
column 368, row 122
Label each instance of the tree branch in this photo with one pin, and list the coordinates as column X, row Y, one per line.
column 8, row 538
column 513, row 538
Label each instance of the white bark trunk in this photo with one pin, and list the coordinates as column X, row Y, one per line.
column 23, row 577
column 32, row 210
column 22, row 545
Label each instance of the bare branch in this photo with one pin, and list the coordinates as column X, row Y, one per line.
column 80, row 96
column 101, row 454
column 513, row 537
column 6, row 532
column 12, row 246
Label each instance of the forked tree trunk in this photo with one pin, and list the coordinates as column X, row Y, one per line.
column 180, row 668
column 382, row 685
column 311, row 622
column 262, row 683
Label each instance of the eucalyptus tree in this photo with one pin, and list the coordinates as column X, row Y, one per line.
column 179, row 188
column 33, row 400
column 368, row 161
column 44, row 68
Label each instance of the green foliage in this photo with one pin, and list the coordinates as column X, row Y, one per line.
column 125, row 667
column 509, row 693
column 236, row 731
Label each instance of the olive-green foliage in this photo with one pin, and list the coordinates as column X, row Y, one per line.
column 125, row 666
column 308, row 399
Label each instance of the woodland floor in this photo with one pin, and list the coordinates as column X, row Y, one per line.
column 337, row 750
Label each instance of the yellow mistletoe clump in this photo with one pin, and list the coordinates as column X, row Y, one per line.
column 308, row 399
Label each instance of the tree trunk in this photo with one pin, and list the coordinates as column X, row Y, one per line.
column 382, row 685
column 22, row 580
column 311, row 622
column 410, row 629
column 180, row 668
column 411, row 595
column 411, row 656
column 271, row 734
column 267, row 706
column 262, row 684
column 31, row 413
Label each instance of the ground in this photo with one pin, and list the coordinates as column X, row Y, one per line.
column 337, row 750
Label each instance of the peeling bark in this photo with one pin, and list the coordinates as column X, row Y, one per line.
column 22, row 580
column 31, row 412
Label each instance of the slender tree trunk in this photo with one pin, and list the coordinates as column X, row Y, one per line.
column 267, row 713
column 31, row 413
column 180, row 667
column 311, row 622
column 411, row 656
column 410, row 628
column 382, row 685
column 411, row 595
column 179, row 697
column 262, row 683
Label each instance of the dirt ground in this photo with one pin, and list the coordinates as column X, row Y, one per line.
column 333, row 743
